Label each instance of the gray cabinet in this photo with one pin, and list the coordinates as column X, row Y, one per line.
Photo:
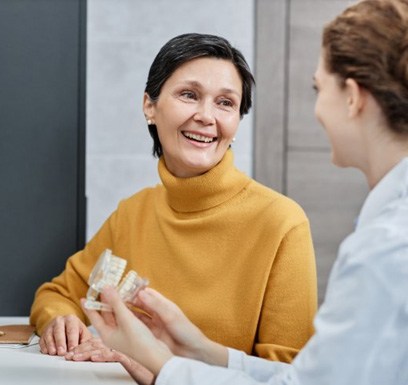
column 42, row 144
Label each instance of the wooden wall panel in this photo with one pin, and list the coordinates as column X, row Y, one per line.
column 270, row 101
column 331, row 197
column 307, row 18
column 291, row 149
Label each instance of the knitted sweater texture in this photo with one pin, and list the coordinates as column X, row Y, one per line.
column 237, row 258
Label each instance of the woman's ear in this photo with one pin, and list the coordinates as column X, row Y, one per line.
column 148, row 107
column 356, row 97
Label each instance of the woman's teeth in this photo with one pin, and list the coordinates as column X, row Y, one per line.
column 198, row 138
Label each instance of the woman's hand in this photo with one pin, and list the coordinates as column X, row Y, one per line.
column 63, row 334
column 122, row 331
column 170, row 325
column 95, row 350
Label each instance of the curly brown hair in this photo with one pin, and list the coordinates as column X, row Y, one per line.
column 368, row 42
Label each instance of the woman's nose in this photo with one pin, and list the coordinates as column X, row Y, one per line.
column 205, row 113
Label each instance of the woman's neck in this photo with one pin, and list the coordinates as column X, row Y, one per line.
column 383, row 155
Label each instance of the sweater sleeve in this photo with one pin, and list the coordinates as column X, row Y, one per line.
column 62, row 295
column 290, row 301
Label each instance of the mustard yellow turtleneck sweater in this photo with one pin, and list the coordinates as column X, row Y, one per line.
column 237, row 257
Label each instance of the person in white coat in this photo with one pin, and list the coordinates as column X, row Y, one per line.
column 361, row 329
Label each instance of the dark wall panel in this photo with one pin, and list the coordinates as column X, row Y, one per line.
column 42, row 131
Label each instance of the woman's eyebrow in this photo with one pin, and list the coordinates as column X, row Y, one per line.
column 230, row 91
column 224, row 90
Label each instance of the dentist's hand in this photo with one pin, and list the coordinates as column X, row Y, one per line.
column 122, row 331
column 171, row 326
column 95, row 350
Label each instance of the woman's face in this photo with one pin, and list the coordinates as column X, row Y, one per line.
column 332, row 111
column 197, row 115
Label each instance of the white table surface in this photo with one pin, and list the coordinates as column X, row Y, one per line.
column 27, row 365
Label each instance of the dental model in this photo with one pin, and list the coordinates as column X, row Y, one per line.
column 131, row 285
column 108, row 271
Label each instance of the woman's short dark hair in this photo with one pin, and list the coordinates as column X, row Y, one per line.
column 184, row 48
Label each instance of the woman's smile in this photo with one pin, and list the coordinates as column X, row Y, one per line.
column 199, row 138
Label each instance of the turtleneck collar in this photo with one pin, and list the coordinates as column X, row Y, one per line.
column 205, row 191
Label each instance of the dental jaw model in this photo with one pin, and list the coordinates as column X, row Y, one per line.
column 108, row 271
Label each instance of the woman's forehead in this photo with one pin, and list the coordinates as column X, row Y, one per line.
column 201, row 72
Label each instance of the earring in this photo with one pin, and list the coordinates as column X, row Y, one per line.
column 233, row 140
column 149, row 122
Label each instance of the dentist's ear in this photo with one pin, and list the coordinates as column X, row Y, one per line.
column 356, row 97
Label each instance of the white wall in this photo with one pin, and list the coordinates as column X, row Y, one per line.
column 123, row 37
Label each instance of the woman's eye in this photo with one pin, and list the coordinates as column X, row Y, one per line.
column 226, row 103
column 188, row 95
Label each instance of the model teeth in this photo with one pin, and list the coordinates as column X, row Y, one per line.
column 198, row 138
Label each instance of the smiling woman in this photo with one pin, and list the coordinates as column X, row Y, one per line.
column 197, row 115
column 233, row 254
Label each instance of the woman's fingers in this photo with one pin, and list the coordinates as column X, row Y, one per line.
column 75, row 331
column 118, row 320
column 106, row 355
column 101, row 354
column 122, row 314
column 59, row 335
column 128, row 334
column 154, row 302
column 47, row 343
column 62, row 334
column 91, row 344
column 96, row 319
column 145, row 319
